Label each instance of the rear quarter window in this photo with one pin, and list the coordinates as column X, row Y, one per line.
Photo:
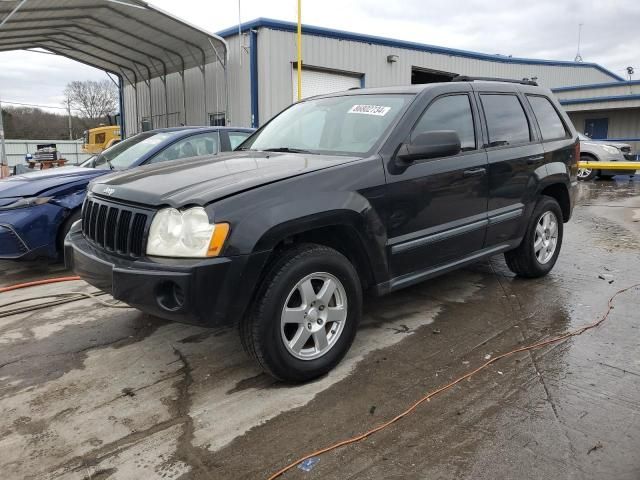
column 550, row 123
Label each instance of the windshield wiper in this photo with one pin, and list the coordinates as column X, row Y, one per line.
column 286, row 150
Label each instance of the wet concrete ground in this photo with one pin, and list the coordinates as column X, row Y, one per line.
column 88, row 391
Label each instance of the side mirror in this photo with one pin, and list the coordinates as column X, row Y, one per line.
column 437, row 143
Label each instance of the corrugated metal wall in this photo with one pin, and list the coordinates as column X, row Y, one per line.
column 171, row 112
column 623, row 124
column 603, row 105
column 621, row 90
column 608, row 91
column 277, row 50
column 71, row 150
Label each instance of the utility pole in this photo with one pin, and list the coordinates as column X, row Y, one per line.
column 4, row 165
column 69, row 116
column 299, row 50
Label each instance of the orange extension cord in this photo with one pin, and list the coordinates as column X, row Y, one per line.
column 426, row 398
column 432, row 394
column 37, row 282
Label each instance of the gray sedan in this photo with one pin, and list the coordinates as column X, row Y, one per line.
column 603, row 151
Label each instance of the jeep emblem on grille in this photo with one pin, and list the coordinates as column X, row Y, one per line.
column 109, row 191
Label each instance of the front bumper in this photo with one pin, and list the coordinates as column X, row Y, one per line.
column 617, row 157
column 12, row 246
column 30, row 233
column 195, row 291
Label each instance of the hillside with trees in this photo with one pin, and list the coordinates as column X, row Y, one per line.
column 91, row 102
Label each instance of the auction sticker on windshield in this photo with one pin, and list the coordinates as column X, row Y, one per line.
column 370, row 110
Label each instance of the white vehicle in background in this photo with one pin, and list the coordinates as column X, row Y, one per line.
column 603, row 151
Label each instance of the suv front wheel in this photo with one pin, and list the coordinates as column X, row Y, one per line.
column 586, row 173
column 305, row 315
column 540, row 247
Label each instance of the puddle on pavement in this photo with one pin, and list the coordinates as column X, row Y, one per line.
column 116, row 392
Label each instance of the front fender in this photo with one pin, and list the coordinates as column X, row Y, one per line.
column 279, row 220
column 258, row 231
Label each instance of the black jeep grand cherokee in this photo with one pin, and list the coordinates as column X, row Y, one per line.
column 371, row 189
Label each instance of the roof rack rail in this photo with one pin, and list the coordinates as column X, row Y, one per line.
column 466, row 78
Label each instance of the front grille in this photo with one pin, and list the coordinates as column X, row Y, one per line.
column 114, row 227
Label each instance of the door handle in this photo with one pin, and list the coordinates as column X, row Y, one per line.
column 534, row 160
column 476, row 172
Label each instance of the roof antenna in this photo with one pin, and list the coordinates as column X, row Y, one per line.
column 578, row 57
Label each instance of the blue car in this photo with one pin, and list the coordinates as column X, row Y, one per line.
column 38, row 208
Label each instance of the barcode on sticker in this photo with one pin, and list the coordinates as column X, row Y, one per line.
column 370, row 110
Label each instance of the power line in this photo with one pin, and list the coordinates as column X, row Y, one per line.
column 35, row 105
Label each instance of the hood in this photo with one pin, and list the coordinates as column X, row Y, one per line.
column 620, row 146
column 34, row 183
column 202, row 180
column 598, row 143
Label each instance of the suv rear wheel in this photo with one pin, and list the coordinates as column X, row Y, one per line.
column 306, row 314
column 540, row 247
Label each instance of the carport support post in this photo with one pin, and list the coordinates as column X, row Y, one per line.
column 184, row 98
column 166, row 101
column 148, row 82
column 4, row 166
column 204, row 83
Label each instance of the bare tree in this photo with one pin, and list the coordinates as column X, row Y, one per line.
column 92, row 99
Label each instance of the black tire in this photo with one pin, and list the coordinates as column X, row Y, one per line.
column 260, row 331
column 593, row 174
column 64, row 229
column 523, row 261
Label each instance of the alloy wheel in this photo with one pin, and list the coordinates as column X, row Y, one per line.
column 313, row 316
column 546, row 237
column 584, row 173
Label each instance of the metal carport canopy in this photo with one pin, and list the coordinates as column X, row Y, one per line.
column 129, row 38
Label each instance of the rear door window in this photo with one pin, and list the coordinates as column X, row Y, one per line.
column 193, row 146
column 506, row 121
column 452, row 112
column 550, row 123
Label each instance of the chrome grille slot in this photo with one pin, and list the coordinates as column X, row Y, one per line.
column 115, row 227
column 110, row 228
column 122, row 234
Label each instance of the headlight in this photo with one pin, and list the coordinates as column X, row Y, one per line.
column 610, row 149
column 185, row 234
column 26, row 202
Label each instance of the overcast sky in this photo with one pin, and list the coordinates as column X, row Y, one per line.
column 542, row 29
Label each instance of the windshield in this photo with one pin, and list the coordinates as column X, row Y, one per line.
column 88, row 163
column 348, row 125
column 127, row 152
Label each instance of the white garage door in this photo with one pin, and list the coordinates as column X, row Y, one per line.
column 317, row 82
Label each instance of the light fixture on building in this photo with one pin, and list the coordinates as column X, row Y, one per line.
column 392, row 58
